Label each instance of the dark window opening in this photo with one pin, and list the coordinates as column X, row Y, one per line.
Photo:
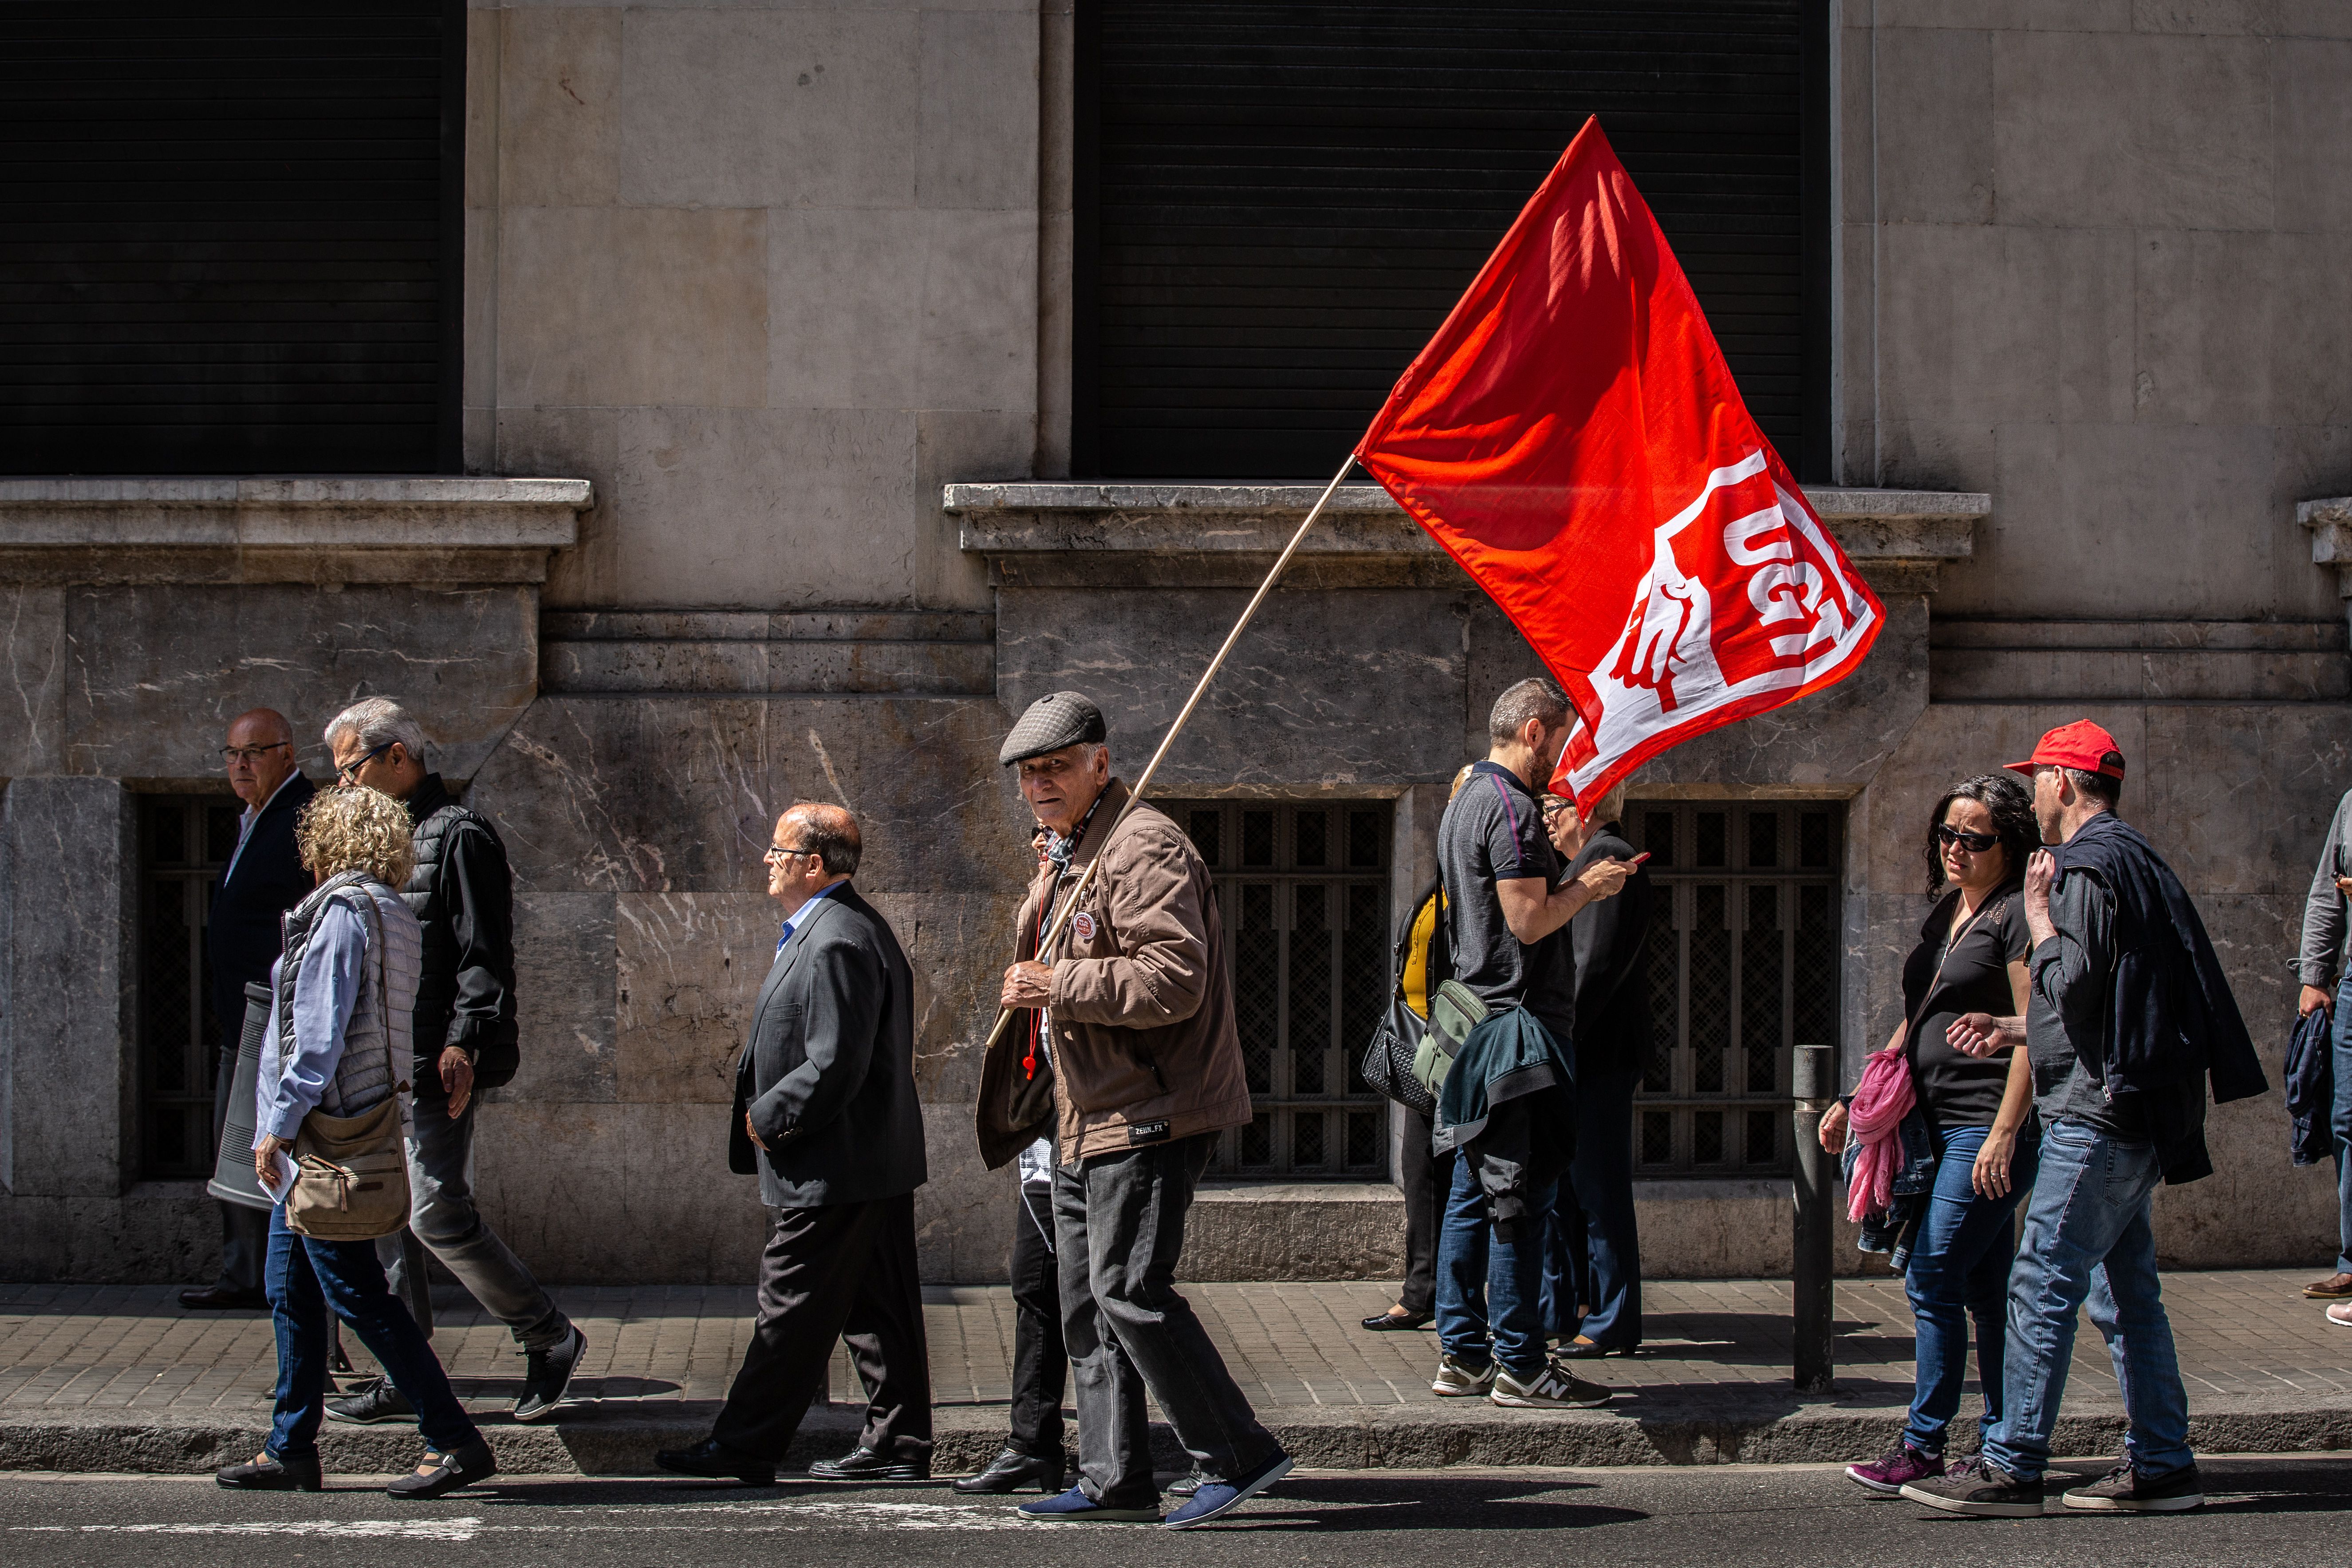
column 1308, row 945
column 1276, row 205
column 1743, row 968
column 234, row 237
column 184, row 841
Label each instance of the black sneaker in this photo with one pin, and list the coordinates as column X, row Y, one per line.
column 547, row 1375
column 1985, row 1490
column 372, row 1404
column 2125, row 1490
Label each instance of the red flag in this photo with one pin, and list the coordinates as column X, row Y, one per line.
column 1572, row 436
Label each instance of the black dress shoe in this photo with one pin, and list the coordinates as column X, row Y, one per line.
column 1582, row 1349
column 263, row 1473
column 714, row 1460
column 371, row 1404
column 1012, row 1470
column 866, row 1465
column 437, row 1473
column 1390, row 1323
column 221, row 1298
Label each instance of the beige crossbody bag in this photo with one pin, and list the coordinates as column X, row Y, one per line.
column 351, row 1172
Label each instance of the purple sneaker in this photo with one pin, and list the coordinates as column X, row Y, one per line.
column 1902, row 1467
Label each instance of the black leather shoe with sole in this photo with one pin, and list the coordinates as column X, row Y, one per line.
column 438, row 1474
column 714, row 1461
column 372, row 1405
column 866, row 1465
column 264, row 1474
column 1009, row 1472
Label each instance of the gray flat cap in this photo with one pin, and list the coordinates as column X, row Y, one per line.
column 1056, row 719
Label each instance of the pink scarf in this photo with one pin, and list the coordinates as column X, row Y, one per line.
column 1880, row 1104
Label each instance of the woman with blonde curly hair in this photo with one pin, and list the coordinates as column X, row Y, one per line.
column 341, row 996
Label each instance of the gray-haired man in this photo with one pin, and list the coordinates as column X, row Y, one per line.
column 463, row 895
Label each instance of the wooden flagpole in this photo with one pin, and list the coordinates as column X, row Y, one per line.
column 1070, row 904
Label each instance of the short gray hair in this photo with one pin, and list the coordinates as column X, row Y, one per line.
column 378, row 721
column 1534, row 698
column 2104, row 788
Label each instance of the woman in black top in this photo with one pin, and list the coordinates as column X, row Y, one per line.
column 1970, row 958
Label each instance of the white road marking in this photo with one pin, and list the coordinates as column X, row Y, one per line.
column 770, row 1516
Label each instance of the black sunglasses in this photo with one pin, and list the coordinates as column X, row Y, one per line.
column 1974, row 843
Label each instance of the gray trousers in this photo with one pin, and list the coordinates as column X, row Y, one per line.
column 1119, row 1222
column 442, row 1217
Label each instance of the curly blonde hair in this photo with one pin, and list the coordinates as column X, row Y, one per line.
column 356, row 829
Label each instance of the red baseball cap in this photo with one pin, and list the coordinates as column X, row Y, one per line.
column 2082, row 745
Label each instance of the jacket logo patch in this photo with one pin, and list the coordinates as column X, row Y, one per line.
column 1148, row 1133
column 1084, row 924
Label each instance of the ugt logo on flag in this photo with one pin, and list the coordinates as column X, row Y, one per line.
column 1572, row 436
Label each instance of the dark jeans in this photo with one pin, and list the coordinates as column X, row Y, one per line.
column 2339, row 1120
column 1489, row 1290
column 308, row 1281
column 1426, row 1177
column 1960, row 1269
column 1119, row 1227
column 245, row 1230
column 1592, row 1244
column 845, row 1271
column 1041, row 1370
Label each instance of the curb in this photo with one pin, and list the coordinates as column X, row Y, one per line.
column 622, row 1442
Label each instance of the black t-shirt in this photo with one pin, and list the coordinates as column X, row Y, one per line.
column 1958, row 1091
column 1492, row 831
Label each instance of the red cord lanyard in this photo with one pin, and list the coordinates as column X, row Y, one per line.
column 1045, row 919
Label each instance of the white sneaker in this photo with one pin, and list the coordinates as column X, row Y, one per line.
column 1455, row 1381
column 1554, row 1388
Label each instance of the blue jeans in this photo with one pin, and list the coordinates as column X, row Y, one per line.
column 2340, row 1120
column 305, row 1280
column 1490, row 1291
column 2088, row 1243
column 1960, row 1269
column 1592, row 1244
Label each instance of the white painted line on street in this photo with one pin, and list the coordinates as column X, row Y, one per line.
column 790, row 1516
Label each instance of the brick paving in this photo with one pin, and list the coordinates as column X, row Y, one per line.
column 2245, row 1337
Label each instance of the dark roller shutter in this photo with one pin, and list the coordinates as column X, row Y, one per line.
column 1279, row 202
column 231, row 236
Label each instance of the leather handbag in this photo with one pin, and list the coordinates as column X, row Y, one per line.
column 351, row 1172
column 1388, row 1060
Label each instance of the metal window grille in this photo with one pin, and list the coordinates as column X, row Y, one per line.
column 1303, row 894
column 184, row 841
column 1743, row 967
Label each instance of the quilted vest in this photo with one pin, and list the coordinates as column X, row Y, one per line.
column 381, row 1017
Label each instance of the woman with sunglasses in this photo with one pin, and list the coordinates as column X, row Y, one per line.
column 1971, row 958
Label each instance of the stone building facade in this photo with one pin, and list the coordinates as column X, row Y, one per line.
column 766, row 438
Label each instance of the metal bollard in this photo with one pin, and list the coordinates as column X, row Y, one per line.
column 1814, row 1081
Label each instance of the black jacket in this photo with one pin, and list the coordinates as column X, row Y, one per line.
column 242, row 932
column 1611, row 944
column 463, row 895
column 828, row 1075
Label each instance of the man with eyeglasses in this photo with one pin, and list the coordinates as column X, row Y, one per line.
column 263, row 880
column 464, row 1032
column 825, row 1114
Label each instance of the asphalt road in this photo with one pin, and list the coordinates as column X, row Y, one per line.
column 2261, row 1511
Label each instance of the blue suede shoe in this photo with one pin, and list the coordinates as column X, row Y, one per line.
column 1217, row 1498
column 1073, row 1507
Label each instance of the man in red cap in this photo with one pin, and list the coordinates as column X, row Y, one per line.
column 2127, row 1016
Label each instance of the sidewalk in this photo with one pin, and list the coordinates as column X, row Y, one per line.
column 118, row 1378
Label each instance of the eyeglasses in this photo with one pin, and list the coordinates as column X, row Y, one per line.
column 249, row 755
column 1554, row 807
column 350, row 772
column 775, row 854
column 1974, row 843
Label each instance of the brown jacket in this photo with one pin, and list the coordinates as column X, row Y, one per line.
column 1144, row 1047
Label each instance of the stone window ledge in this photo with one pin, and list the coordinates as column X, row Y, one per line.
column 2330, row 521
column 1043, row 533
column 431, row 531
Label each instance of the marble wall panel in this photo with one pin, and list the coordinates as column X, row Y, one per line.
column 688, row 972
column 1935, row 158
column 633, row 795
column 155, row 673
column 2238, row 796
column 33, row 658
column 564, row 998
column 958, row 945
column 558, row 85
column 2312, row 126
column 71, row 883
column 965, row 1214
column 1338, row 687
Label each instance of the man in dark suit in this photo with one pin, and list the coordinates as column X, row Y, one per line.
column 264, row 879
column 825, row 1112
column 1592, row 1248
